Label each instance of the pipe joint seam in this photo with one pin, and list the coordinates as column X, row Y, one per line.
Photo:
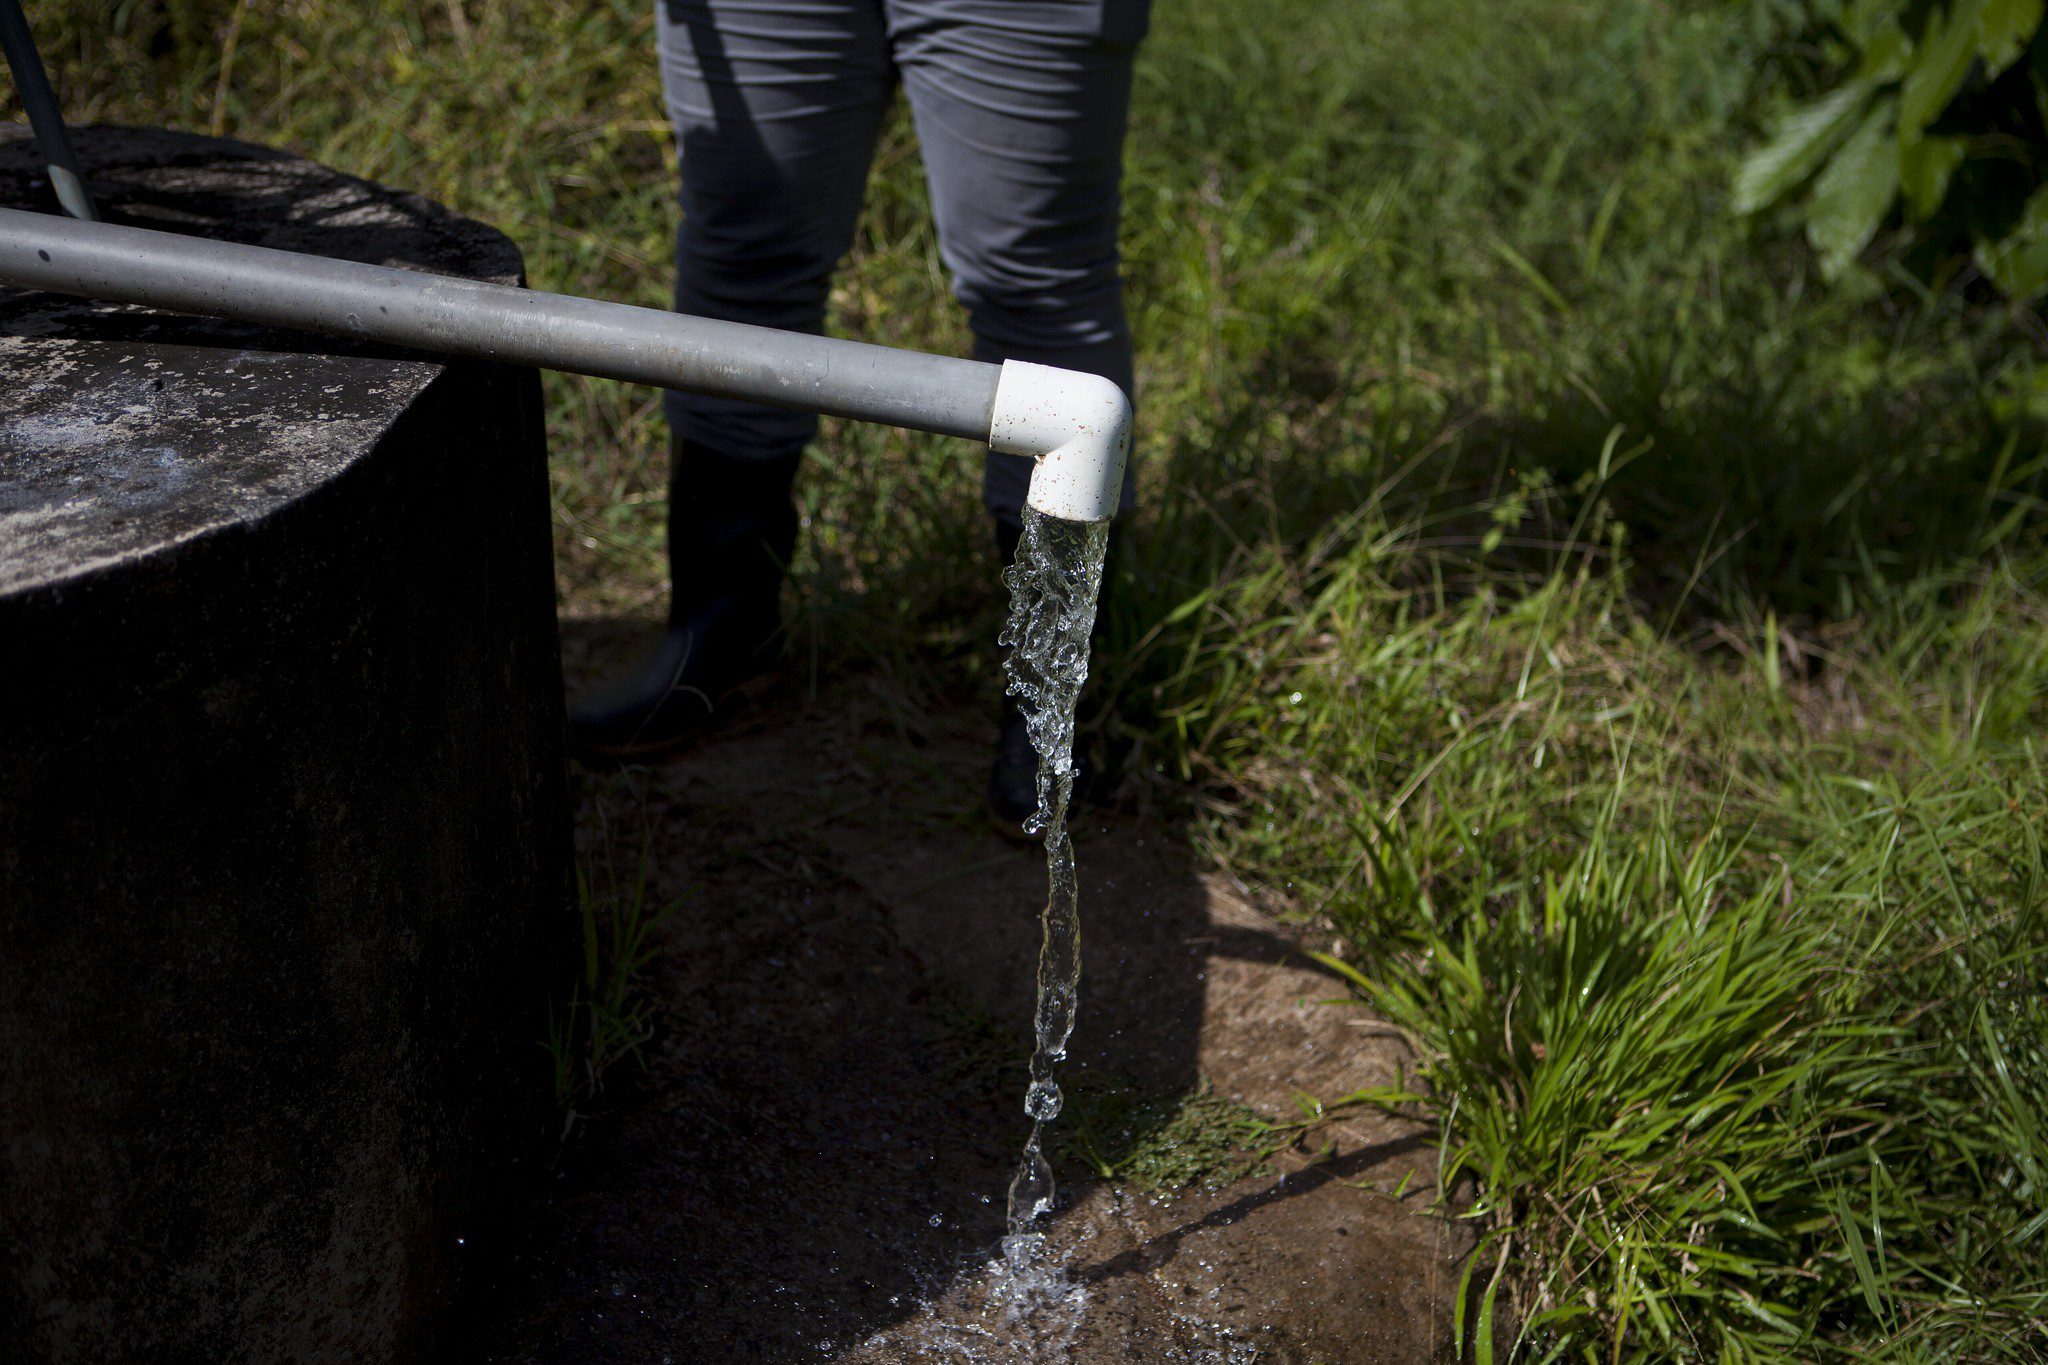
column 1077, row 427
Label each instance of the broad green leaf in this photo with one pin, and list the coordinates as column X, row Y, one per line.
column 1885, row 51
column 1940, row 62
column 1798, row 146
column 1855, row 191
column 1864, row 17
column 2003, row 31
column 1925, row 165
column 2019, row 264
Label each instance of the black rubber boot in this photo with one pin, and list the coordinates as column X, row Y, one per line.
column 731, row 529
column 1013, row 780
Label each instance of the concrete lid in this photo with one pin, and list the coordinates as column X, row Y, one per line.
column 123, row 431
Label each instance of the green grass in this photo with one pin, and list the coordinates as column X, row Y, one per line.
column 1638, row 651
column 1161, row 1144
column 1116, row 1128
column 608, row 1014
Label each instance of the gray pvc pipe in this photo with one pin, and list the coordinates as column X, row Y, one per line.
column 32, row 83
column 497, row 322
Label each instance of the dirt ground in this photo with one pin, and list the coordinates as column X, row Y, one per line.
column 812, row 1166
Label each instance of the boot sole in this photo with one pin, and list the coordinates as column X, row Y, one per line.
column 738, row 698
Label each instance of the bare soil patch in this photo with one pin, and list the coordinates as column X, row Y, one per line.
column 812, row 1166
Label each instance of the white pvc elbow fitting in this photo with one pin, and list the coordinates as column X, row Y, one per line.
column 1076, row 426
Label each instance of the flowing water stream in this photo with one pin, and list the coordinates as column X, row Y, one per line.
column 1053, row 588
column 1026, row 1308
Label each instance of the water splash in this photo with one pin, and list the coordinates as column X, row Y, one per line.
column 1053, row 588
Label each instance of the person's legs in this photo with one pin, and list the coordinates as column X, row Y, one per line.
column 1021, row 107
column 776, row 105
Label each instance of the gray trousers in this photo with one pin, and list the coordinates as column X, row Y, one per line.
column 1020, row 106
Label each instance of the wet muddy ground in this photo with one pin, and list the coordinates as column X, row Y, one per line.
column 812, row 1165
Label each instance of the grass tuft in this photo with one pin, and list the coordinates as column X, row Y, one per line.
column 608, row 1016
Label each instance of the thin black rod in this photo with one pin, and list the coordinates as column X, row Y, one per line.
column 32, row 83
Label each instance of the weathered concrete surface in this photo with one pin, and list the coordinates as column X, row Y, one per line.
column 105, row 463
column 282, row 825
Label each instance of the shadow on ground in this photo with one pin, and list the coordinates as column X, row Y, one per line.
column 813, row 1165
